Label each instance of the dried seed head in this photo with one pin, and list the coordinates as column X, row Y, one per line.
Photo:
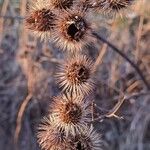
column 114, row 5
column 70, row 113
column 72, row 30
column 61, row 4
column 75, row 75
column 86, row 140
column 51, row 138
column 40, row 20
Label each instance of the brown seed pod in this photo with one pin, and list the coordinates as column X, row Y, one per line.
column 40, row 19
column 75, row 75
column 70, row 113
column 89, row 139
column 113, row 5
column 51, row 138
column 72, row 31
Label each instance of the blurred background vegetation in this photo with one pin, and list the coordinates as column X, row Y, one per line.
column 28, row 63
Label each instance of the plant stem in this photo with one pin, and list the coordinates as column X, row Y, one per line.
column 120, row 52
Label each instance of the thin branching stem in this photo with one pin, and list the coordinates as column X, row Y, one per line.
column 120, row 52
column 112, row 112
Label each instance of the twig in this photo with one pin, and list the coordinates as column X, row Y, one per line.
column 139, row 38
column 3, row 12
column 120, row 52
column 132, row 86
column 127, row 97
column 23, row 33
column 20, row 117
column 22, row 42
column 139, row 33
column 100, row 56
column 112, row 112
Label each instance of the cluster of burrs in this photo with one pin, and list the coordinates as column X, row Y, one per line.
column 66, row 23
column 67, row 127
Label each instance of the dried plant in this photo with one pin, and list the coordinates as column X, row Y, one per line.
column 66, row 23
column 70, row 113
column 40, row 19
column 72, row 31
column 110, row 7
column 75, row 75
column 50, row 137
column 89, row 139
column 113, row 5
column 88, row 67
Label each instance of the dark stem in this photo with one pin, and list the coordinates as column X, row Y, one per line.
column 120, row 52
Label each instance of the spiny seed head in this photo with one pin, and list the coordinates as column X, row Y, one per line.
column 72, row 30
column 40, row 20
column 51, row 138
column 61, row 4
column 70, row 113
column 89, row 139
column 75, row 75
column 73, row 115
column 114, row 5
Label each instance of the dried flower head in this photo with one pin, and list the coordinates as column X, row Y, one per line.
column 70, row 113
column 41, row 19
column 61, row 4
column 51, row 138
column 75, row 75
column 89, row 139
column 114, row 5
column 72, row 30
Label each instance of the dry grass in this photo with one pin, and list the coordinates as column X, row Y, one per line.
column 28, row 66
